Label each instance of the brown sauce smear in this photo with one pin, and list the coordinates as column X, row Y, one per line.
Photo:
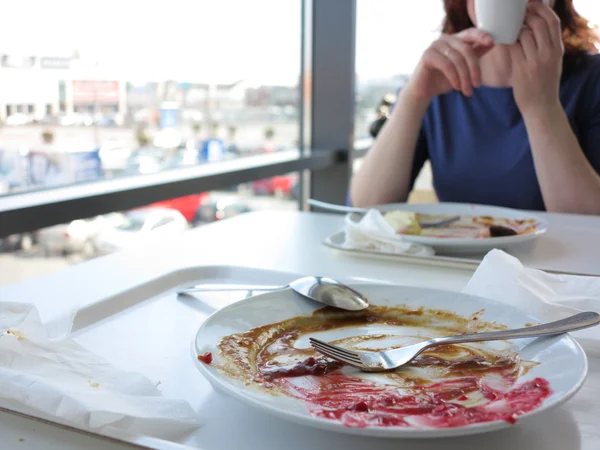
column 267, row 352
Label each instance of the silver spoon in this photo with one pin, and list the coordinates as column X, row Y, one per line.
column 320, row 289
column 350, row 209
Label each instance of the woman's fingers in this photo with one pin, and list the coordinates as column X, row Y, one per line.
column 550, row 19
column 475, row 37
column 457, row 56
column 438, row 61
column 470, row 57
column 459, row 64
column 528, row 45
column 517, row 53
column 480, row 41
column 540, row 33
column 465, row 50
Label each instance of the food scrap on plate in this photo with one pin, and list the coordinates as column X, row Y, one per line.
column 206, row 358
column 465, row 227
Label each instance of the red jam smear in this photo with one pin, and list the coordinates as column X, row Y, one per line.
column 358, row 403
column 206, row 358
column 310, row 366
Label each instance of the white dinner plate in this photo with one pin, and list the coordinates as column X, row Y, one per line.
column 561, row 360
column 464, row 245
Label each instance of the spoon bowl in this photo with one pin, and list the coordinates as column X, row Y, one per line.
column 330, row 292
column 319, row 289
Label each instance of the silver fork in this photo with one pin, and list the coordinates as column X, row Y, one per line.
column 393, row 359
column 350, row 209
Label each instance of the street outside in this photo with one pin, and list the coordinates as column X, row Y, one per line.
column 20, row 265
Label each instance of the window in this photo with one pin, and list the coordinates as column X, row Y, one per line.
column 175, row 85
column 390, row 39
column 190, row 100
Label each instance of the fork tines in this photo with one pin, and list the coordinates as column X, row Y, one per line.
column 336, row 352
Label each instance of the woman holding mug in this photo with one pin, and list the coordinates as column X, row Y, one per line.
column 509, row 125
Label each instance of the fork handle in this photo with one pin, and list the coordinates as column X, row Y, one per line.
column 337, row 208
column 573, row 323
column 350, row 209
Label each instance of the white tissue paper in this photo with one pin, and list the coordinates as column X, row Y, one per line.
column 503, row 278
column 373, row 233
column 60, row 378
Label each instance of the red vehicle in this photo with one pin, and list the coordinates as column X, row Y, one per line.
column 187, row 205
column 282, row 184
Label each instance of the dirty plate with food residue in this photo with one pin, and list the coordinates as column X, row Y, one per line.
column 478, row 228
column 258, row 351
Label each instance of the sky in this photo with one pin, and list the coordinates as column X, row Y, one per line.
column 219, row 40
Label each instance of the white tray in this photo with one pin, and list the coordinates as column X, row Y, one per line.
column 149, row 330
column 336, row 242
column 469, row 262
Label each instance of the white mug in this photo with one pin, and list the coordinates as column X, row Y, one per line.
column 503, row 19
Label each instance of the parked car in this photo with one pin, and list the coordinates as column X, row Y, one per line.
column 18, row 119
column 79, row 236
column 16, row 242
column 75, row 119
column 141, row 227
column 281, row 185
column 187, row 205
column 219, row 210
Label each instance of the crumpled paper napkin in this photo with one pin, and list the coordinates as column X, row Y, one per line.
column 503, row 278
column 62, row 379
column 373, row 233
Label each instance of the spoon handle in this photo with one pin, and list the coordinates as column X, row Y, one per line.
column 228, row 288
column 573, row 323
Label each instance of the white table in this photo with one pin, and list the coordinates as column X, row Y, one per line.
column 292, row 242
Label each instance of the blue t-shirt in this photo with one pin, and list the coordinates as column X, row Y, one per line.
column 479, row 148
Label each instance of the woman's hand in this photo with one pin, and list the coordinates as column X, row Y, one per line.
column 537, row 60
column 451, row 62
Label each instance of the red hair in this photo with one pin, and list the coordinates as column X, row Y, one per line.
column 578, row 36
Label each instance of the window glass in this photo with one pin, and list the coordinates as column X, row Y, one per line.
column 136, row 88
